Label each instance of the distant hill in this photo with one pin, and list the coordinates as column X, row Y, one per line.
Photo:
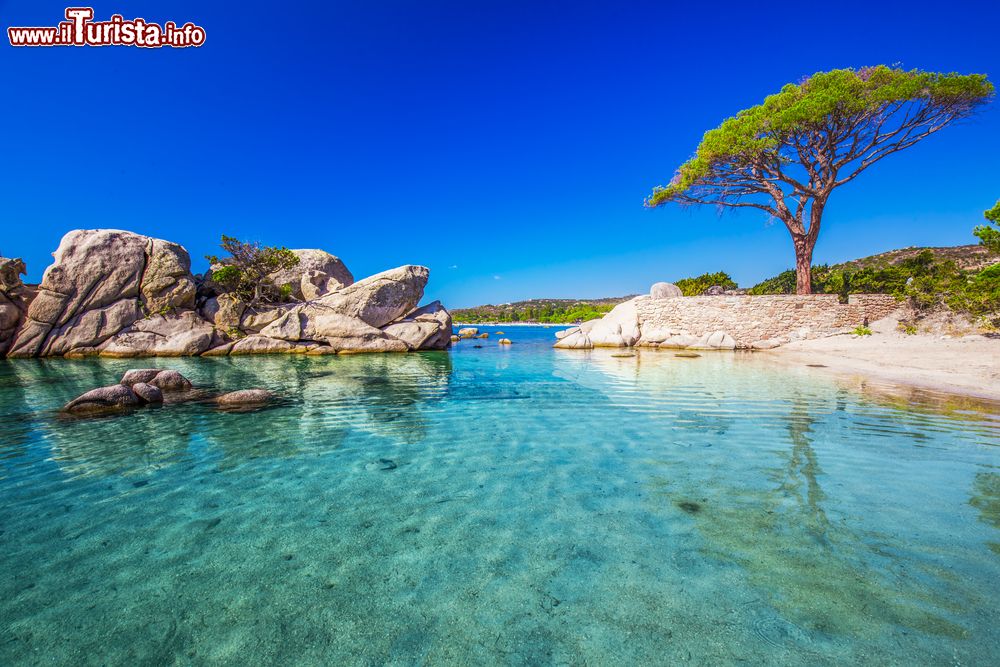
column 966, row 257
column 549, row 311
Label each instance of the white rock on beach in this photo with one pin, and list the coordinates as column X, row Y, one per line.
column 619, row 328
column 717, row 340
column 766, row 344
column 678, row 341
column 665, row 291
column 575, row 341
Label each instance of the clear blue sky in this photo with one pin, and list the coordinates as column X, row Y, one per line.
column 506, row 145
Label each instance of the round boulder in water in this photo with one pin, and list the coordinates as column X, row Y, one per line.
column 147, row 393
column 170, row 381
column 246, row 398
column 115, row 397
column 134, row 375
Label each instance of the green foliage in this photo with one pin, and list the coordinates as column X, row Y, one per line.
column 855, row 100
column 544, row 313
column 862, row 331
column 907, row 328
column 989, row 236
column 697, row 286
column 783, row 283
column 246, row 271
column 923, row 280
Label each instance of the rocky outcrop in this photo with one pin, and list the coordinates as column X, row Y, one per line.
column 619, row 328
column 317, row 273
column 14, row 300
column 181, row 335
column 380, row 299
column 113, row 293
column 427, row 328
column 102, row 281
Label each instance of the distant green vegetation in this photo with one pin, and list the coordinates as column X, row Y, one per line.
column 555, row 311
column 697, row 286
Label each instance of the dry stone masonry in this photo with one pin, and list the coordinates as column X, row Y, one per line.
column 724, row 322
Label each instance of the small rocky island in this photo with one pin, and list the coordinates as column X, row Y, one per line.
column 112, row 293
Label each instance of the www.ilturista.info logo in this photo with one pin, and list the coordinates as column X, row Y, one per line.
column 81, row 30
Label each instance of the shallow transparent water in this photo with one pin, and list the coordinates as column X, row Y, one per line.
column 498, row 506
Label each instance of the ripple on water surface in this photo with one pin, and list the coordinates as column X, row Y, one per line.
column 498, row 505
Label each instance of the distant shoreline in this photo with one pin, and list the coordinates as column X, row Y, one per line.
column 513, row 324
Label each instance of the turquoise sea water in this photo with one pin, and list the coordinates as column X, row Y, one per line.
column 512, row 506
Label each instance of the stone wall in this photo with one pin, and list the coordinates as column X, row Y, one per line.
column 753, row 318
column 874, row 306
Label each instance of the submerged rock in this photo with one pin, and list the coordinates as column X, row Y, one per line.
column 147, row 393
column 134, row 375
column 168, row 380
column 246, row 398
column 114, row 397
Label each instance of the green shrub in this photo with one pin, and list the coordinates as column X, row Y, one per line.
column 989, row 236
column 698, row 285
column 246, row 271
column 862, row 331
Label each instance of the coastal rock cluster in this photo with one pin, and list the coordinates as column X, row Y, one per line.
column 114, row 293
column 141, row 387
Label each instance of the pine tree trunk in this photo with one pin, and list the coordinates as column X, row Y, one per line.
column 803, row 264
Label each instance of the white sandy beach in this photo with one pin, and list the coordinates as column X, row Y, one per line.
column 967, row 365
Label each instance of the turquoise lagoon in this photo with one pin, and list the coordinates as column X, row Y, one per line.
column 491, row 505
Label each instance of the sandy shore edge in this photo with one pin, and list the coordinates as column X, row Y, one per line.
column 968, row 365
